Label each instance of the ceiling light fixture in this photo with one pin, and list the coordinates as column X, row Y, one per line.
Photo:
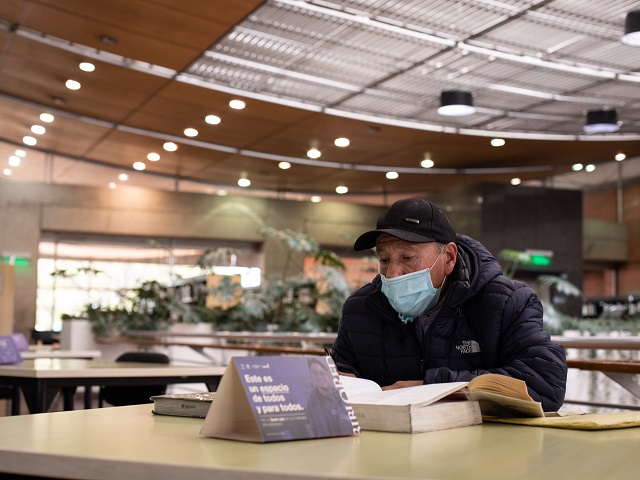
column 244, row 182
column 427, row 162
column 392, row 175
column 284, row 165
column 631, row 35
column 38, row 129
column 7, row 172
column 341, row 142
column 341, row 189
column 170, row 146
column 314, row 153
column 72, row 84
column 190, row 132
column 139, row 166
column 498, row 142
column 112, row 185
column 576, row 167
column 590, row 168
column 316, row 199
column 619, row 156
column 212, row 119
column 153, row 157
column 123, row 177
column 456, row 103
column 20, row 153
column 237, row 104
column 516, row 181
column 87, row 67
column 47, row 117
column 602, row 121
column 27, row 140
column 14, row 161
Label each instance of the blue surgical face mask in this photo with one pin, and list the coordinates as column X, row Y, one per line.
column 411, row 294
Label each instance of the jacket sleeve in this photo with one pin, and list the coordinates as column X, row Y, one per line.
column 523, row 349
column 342, row 352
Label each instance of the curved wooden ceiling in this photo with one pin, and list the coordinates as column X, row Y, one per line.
column 311, row 72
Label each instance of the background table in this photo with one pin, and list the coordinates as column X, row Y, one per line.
column 40, row 379
column 131, row 443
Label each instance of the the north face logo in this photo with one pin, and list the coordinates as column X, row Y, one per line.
column 468, row 346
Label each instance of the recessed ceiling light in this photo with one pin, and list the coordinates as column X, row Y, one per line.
column 316, row 199
column 221, row 193
column 27, row 140
column 170, row 147
column 284, row 165
column 123, row 177
column 314, row 153
column 38, row 129
column 47, row 117
column 212, row 119
column 14, row 161
column 20, row 153
column 498, row 142
column 191, row 132
column 244, row 182
column 341, row 189
column 590, row 168
column 427, row 162
column 392, row 175
column 153, row 156
column 72, row 84
column 7, row 172
column 139, row 166
column 112, row 185
column 516, row 181
column 620, row 157
column 341, row 142
column 87, row 67
column 576, row 167
column 237, row 104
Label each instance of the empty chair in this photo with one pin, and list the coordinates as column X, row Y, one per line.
column 136, row 394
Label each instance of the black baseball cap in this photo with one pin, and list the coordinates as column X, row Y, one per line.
column 411, row 219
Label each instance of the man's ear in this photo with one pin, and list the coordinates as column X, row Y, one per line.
column 450, row 256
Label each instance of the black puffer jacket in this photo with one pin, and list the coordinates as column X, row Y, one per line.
column 487, row 324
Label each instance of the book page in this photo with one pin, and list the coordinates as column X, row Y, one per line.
column 498, row 405
column 355, row 386
column 500, row 384
column 418, row 395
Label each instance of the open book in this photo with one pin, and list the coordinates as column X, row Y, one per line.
column 409, row 410
column 440, row 405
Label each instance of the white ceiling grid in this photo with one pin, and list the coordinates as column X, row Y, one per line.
column 393, row 58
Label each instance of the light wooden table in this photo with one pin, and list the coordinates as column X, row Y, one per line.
column 131, row 443
column 41, row 379
column 56, row 353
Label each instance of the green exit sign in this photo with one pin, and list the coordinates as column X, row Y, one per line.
column 539, row 258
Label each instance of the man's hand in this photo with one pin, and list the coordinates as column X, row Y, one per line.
column 403, row 384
